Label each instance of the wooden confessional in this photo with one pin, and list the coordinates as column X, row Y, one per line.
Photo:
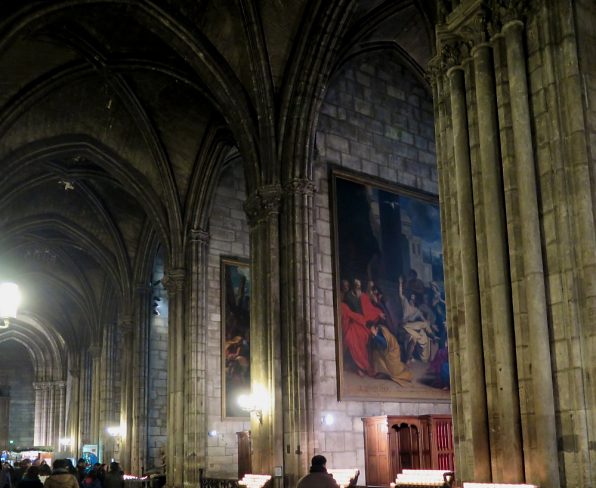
column 244, row 453
column 393, row 443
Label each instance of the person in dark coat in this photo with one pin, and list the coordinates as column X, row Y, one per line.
column 20, row 470
column 318, row 476
column 114, row 478
column 6, row 476
column 30, row 479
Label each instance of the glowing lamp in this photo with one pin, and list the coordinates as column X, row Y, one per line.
column 10, row 299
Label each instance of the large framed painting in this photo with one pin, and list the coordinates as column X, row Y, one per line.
column 235, row 334
column 389, row 291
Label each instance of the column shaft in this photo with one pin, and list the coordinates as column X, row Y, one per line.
column 176, row 343
column 37, row 429
column 298, row 333
column 265, row 362
column 542, row 465
column 505, row 420
column 139, row 386
column 195, row 425
column 477, row 409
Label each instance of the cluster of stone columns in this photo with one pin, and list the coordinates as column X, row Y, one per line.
column 502, row 315
column 283, row 338
column 50, row 404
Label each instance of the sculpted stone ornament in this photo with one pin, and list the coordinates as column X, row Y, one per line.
column 451, row 55
column 444, row 8
column 476, row 31
column 263, row 203
column 199, row 235
column 505, row 11
column 301, row 186
column 173, row 280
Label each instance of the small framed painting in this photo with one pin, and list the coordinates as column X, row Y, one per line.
column 235, row 333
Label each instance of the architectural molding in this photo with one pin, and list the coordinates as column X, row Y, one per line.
column 300, row 186
column 263, row 203
column 199, row 235
column 174, row 280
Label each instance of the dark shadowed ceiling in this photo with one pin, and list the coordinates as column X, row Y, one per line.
column 111, row 113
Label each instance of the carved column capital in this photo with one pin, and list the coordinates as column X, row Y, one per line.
column 263, row 203
column 174, row 279
column 509, row 12
column 477, row 29
column 300, row 186
column 199, row 235
column 453, row 54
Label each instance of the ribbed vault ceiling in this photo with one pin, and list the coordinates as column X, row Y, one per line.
column 112, row 116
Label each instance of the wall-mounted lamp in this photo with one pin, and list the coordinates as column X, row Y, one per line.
column 65, row 441
column 249, row 403
column 328, row 419
column 212, row 433
column 114, row 431
column 10, row 299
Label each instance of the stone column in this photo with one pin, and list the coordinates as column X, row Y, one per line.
column 298, row 327
column 85, row 398
column 479, row 451
column 126, row 330
column 195, row 423
column 38, row 438
column 505, row 419
column 138, row 441
column 59, row 412
column 95, row 353
column 262, row 208
column 107, row 402
column 542, row 465
column 449, row 230
column 45, row 412
column 174, row 283
column 74, row 409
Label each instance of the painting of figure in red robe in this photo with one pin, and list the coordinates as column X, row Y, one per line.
column 391, row 324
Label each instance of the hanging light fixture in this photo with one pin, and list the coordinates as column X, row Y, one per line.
column 10, row 299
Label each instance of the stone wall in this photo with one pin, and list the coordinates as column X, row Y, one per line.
column 586, row 19
column 22, row 402
column 158, row 372
column 377, row 120
column 229, row 236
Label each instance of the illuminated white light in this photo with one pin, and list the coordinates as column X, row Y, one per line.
column 246, row 402
column 10, row 299
column 114, row 430
column 212, row 433
column 254, row 480
column 426, row 477
column 65, row 441
column 328, row 419
column 497, row 485
column 256, row 403
column 343, row 477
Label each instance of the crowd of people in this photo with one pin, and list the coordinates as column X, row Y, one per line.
column 382, row 335
column 62, row 474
